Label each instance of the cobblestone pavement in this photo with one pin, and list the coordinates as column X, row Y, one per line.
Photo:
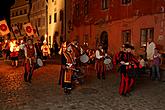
column 45, row 94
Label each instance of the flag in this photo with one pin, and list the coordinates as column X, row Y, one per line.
column 16, row 31
column 28, row 29
column 4, row 29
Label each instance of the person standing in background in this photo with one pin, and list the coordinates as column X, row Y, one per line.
column 150, row 52
column 155, row 65
column 45, row 50
column 14, row 49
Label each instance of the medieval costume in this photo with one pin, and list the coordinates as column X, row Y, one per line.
column 30, row 60
column 128, row 69
column 100, row 66
column 66, row 73
column 45, row 50
column 14, row 52
column 118, row 59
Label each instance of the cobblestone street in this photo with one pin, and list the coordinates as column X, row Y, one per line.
column 45, row 94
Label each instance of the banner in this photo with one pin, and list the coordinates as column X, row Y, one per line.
column 4, row 29
column 28, row 29
column 16, row 31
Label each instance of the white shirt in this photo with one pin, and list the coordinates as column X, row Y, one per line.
column 45, row 49
column 98, row 56
column 150, row 50
column 22, row 46
column 142, row 62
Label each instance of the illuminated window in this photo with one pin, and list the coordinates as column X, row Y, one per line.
column 126, row 36
column 126, row 2
column 145, row 34
column 104, row 4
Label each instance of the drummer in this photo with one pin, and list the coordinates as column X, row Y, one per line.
column 78, row 51
column 100, row 66
column 30, row 57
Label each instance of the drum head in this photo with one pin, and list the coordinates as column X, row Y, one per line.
column 84, row 58
column 39, row 62
column 107, row 61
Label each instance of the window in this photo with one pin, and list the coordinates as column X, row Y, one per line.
column 126, row 2
column 86, row 6
column 25, row 11
column 50, row 19
column 86, row 39
column 16, row 13
column 13, row 14
column 104, row 4
column 55, row 17
column 77, row 8
column 126, row 36
column 20, row 12
column 145, row 34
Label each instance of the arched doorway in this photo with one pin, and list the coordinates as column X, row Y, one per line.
column 104, row 40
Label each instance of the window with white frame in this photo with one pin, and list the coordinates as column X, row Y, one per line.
column 126, row 37
column 145, row 34
column 104, row 4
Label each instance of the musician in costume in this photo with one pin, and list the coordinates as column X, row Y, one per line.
column 120, row 58
column 14, row 52
column 45, row 50
column 132, row 68
column 67, row 62
column 77, row 52
column 30, row 60
column 128, row 65
column 100, row 66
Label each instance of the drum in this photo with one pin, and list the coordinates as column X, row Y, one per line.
column 39, row 62
column 84, row 58
column 107, row 61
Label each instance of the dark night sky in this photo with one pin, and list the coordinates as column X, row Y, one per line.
column 5, row 8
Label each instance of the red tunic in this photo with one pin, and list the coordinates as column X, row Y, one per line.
column 30, row 52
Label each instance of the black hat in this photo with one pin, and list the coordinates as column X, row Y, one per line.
column 127, row 46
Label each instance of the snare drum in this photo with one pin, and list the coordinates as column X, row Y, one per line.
column 107, row 61
column 84, row 58
column 39, row 62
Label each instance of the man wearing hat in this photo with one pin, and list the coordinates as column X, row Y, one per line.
column 45, row 50
column 120, row 58
column 100, row 66
column 66, row 74
column 30, row 59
